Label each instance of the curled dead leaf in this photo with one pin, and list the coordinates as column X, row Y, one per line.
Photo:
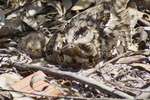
column 35, row 83
column 34, row 79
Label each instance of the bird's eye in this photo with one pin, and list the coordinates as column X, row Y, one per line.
column 30, row 49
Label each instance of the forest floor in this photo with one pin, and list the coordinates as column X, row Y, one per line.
column 26, row 74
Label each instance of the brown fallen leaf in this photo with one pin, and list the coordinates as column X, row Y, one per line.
column 24, row 85
column 82, row 4
column 145, row 66
column 131, row 59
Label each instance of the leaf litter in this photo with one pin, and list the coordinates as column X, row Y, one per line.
column 129, row 73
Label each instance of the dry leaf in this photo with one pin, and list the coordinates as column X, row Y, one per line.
column 34, row 79
column 82, row 4
column 11, row 77
column 145, row 66
column 38, row 84
column 131, row 59
column 143, row 15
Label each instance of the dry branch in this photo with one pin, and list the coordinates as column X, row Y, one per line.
column 43, row 95
column 74, row 76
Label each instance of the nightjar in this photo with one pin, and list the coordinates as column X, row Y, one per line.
column 92, row 35
column 33, row 44
column 79, row 46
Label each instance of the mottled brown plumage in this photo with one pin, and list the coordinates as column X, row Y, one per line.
column 33, row 44
column 96, row 34
column 78, row 47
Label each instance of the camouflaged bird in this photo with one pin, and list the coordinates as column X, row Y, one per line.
column 78, row 47
column 33, row 44
column 91, row 36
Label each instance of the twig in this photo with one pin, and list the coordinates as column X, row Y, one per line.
column 18, row 8
column 98, row 66
column 43, row 95
column 74, row 76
